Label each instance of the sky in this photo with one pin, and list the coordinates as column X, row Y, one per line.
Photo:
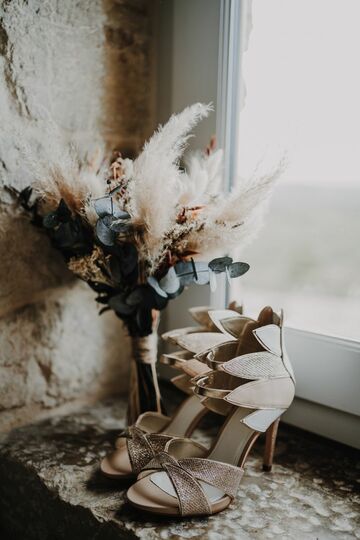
column 302, row 78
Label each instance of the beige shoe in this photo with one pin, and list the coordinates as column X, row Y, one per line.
column 137, row 445
column 189, row 480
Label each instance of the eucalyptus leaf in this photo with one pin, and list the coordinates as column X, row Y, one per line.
column 120, row 226
column 102, row 299
column 63, row 212
column 237, row 269
column 128, row 257
column 170, row 283
column 118, row 304
column 120, row 214
column 102, row 310
column 100, row 287
column 220, row 264
column 103, row 206
column 115, row 269
column 25, row 196
column 104, row 234
column 186, row 274
column 142, row 294
column 136, row 296
column 153, row 282
column 177, row 293
column 50, row 220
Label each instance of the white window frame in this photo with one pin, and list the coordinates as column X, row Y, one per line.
column 327, row 368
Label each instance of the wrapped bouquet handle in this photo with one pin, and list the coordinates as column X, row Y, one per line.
column 144, row 392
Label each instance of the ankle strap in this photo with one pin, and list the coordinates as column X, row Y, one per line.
column 176, row 359
column 275, row 393
column 229, row 322
column 189, row 367
column 220, row 354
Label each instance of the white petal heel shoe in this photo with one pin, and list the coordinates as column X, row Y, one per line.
column 189, row 480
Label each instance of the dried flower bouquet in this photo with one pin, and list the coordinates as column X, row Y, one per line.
column 138, row 231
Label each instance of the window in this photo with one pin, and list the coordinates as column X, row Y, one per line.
column 302, row 96
column 299, row 94
column 288, row 82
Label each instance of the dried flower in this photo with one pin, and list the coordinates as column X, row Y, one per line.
column 91, row 267
column 132, row 229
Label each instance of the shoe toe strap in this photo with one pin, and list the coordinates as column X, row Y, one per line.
column 224, row 352
column 143, row 447
column 186, row 474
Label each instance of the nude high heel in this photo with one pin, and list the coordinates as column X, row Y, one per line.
column 139, row 443
column 189, row 480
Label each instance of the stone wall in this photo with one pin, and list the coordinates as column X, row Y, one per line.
column 86, row 67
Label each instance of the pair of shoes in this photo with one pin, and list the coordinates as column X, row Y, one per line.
column 246, row 376
column 138, row 444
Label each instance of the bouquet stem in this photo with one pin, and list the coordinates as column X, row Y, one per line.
column 144, row 392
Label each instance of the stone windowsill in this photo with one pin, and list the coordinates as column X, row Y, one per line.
column 50, row 487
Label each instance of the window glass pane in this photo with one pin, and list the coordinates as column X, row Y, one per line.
column 301, row 72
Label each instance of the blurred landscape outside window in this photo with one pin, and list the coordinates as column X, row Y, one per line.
column 302, row 81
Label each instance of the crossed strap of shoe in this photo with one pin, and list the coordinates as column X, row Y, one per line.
column 143, row 447
column 187, row 473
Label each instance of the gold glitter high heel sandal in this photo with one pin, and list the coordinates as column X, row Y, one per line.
column 187, row 479
column 139, row 443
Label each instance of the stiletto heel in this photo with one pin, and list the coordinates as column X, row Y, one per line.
column 270, row 443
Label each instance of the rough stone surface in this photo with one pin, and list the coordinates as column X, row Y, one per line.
column 61, row 352
column 52, row 468
column 84, row 67
column 130, row 88
column 50, row 53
